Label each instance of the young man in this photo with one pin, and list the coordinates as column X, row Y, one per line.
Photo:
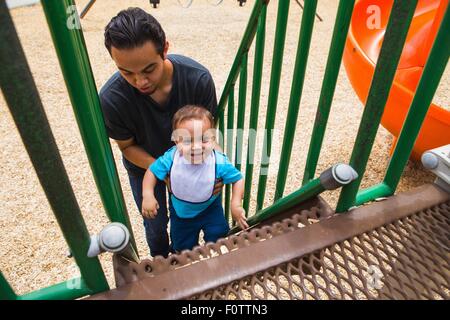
column 139, row 102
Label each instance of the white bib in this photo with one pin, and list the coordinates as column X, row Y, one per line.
column 193, row 182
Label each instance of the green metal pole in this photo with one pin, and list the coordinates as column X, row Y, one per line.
column 221, row 132
column 74, row 60
column 397, row 29
column 246, row 42
column 429, row 82
column 241, row 112
column 229, row 145
column 6, row 292
column 380, row 190
column 341, row 26
column 68, row 290
column 221, row 125
column 22, row 97
column 301, row 61
column 309, row 190
column 280, row 36
column 254, row 109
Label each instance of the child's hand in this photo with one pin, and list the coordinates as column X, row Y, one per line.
column 150, row 207
column 238, row 214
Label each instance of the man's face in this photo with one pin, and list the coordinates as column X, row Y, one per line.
column 142, row 67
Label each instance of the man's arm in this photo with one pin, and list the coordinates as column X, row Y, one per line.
column 138, row 156
column 134, row 153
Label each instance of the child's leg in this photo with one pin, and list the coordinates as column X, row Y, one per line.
column 214, row 225
column 183, row 232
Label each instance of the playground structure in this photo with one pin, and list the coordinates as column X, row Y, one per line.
column 362, row 49
column 155, row 3
column 305, row 243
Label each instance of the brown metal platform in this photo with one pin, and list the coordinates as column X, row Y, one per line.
column 395, row 249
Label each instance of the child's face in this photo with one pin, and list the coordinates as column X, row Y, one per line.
column 195, row 139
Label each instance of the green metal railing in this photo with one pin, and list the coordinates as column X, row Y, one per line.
column 395, row 36
column 340, row 31
column 255, row 101
column 391, row 49
column 6, row 292
column 28, row 113
column 229, row 152
column 26, row 108
column 275, row 75
column 428, row 84
column 301, row 60
column 74, row 60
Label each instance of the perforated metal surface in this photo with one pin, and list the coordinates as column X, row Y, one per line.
column 408, row 259
column 394, row 249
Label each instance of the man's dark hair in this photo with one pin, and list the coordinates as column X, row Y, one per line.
column 133, row 27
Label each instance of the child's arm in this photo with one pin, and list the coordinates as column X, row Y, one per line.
column 149, row 203
column 237, row 211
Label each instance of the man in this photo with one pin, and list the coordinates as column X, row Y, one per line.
column 139, row 102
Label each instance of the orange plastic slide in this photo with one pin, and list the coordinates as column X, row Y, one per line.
column 363, row 45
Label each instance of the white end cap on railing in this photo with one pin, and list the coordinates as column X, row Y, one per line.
column 438, row 161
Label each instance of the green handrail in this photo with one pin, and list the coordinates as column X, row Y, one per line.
column 301, row 61
column 67, row 290
column 428, row 84
column 244, row 47
column 22, row 97
column 241, row 112
column 396, row 31
column 229, row 146
column 380, row 190
column 343, row 18
column 275, row 75
column 74, row 60
column 254, row 106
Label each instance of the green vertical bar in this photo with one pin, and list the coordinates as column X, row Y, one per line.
column 221, row 132
column 301, row 61
column 429, row 82
column 241, row 112
column 340, row 31
column 396, row 31
column 245, row 45
column 22, row 97
column 62, row 19
column 280, row 36
column 6, row 292
column 221, row 124
column 254, row 109
column 229, row 146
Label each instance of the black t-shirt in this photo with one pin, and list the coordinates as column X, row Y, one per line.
column 131, row 114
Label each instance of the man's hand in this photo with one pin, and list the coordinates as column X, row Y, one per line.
column 218, row 186
column 150, row 207
column 238, row 214
column 167, row 181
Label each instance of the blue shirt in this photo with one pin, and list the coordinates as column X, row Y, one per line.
column 224, row 170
